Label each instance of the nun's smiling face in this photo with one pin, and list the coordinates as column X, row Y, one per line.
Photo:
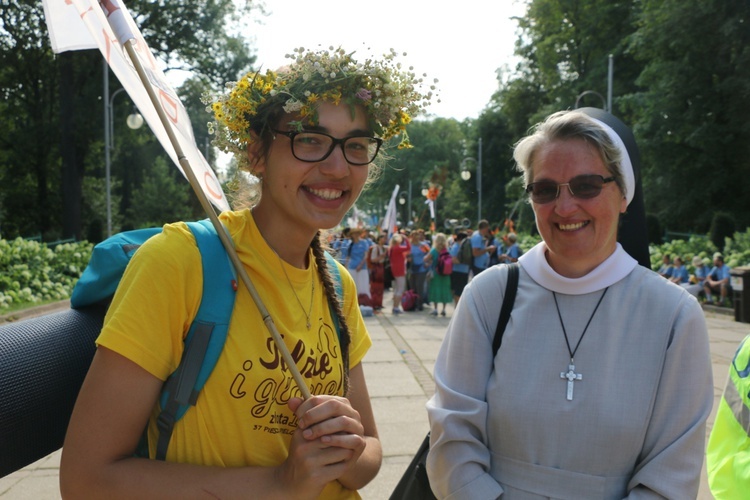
column 579, row 233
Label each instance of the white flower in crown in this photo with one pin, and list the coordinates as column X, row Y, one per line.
column 292, row 106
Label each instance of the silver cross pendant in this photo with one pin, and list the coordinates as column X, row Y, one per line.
column 571, row 376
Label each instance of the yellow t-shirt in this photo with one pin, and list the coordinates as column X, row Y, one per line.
column 241, row 417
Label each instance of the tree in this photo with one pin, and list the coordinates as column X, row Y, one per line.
column 566, row 43
column 197, row 36
column 438, row 142
column 28, row 82
column 160, row 199
column 497, row 163
column 692, row 114
column 681, row 82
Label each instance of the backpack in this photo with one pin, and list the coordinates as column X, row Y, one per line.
column 465, row 253
column 208, row 330
column 445, row 263
column 409, row 300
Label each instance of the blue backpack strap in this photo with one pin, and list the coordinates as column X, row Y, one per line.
column 333, row 268
column 206, row 337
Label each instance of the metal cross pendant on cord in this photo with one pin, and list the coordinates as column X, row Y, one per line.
column 571, row 376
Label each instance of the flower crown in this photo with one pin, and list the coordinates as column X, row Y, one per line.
column 390, row 96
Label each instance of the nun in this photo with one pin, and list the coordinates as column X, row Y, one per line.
column 602, row 385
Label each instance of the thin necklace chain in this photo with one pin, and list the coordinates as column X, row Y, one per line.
column 567, row 342
column 312, row 291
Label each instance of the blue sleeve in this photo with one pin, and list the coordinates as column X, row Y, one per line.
column 476, row 242
column 714, row 273
column 356, row 254
column 684, row 276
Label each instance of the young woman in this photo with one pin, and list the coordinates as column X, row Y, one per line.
column 595, row 392
column 308, row 134
column 440, row 284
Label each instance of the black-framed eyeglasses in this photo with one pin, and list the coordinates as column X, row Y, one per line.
column 583, row 187
column 317, row 146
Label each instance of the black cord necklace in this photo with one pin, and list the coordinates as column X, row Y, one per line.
column 571, row 376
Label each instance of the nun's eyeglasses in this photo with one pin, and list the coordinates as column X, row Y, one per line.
column 583, row 187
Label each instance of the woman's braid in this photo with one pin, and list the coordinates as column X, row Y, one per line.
column 335, row 302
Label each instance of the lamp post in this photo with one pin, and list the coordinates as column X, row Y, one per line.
column 408, row 207
column 134, row 121
column 466, row 175
column 606, row 104
column 402, row 202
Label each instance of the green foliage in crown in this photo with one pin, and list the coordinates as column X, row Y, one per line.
column 390, row 96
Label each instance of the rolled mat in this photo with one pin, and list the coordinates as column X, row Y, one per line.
column 43, row 362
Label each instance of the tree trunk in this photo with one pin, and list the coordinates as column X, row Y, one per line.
column 72, row 170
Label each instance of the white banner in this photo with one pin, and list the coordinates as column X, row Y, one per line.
column 431, row 204
column 389, row 221
column 66, row 29
column 68, row 20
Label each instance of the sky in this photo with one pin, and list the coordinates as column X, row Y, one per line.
column 461, row 43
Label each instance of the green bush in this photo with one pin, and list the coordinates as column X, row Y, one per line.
column 527, row 241
column 736, row 250
column 687, row 249
column 32, row 273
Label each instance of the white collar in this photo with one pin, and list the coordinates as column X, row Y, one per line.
column 613, row 269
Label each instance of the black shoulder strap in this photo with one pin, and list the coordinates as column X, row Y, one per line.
column 508, row 300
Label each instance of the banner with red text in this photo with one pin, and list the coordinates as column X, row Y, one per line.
column 79, row 24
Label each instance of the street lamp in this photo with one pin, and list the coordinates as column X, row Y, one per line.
column 134, row 121
column 466, row 175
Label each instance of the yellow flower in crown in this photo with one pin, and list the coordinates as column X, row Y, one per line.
column 390, row 96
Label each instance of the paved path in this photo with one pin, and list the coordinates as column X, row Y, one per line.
column 399, row 374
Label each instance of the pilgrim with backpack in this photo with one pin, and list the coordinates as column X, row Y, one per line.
column 442, row 269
